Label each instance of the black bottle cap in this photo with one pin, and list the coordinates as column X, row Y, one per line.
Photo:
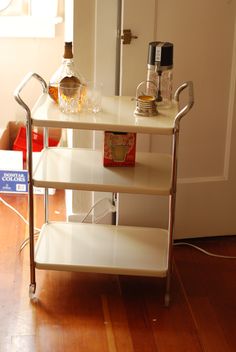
column 166, row 58
column 152, row 53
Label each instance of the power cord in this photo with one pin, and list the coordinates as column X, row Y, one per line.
column 111, row 208
column 17, row 212
column 37, row 230
column 26, row 241
column 203, row 250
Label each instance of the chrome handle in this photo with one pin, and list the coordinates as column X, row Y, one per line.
column 23, row 83
column 189, row 105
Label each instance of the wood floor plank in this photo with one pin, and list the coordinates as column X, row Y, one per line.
column 90, row 312
column 73, row 301
column 174, row 329
column 119, row 321
column 133, row 294
column 210, row 288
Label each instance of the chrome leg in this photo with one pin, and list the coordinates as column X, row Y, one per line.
column 115, row 201
column 18, row 98
column 46, row 211
column 30, row 208
column 172, row 201
column 170, row 251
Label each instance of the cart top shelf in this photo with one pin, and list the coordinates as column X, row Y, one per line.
column 117, row 115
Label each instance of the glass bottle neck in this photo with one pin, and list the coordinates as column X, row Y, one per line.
column 67, row 61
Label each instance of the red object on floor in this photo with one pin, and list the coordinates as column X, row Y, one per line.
column 37, row 142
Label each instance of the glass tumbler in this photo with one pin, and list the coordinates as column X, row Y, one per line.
column 69, row 97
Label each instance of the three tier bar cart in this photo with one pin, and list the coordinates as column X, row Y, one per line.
column 111, row 249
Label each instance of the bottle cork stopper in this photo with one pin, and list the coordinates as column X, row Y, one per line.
column 68, row 54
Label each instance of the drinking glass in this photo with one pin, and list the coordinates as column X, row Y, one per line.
column 93, row 97
column 69, row 97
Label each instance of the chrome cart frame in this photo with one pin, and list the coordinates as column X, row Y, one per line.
column 32, row 287
column 172, row 195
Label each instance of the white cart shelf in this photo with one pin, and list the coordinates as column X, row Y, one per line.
column 82, row 169
column 117, row 115
column 103, row 248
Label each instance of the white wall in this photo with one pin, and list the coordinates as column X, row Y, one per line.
column 18, row 57
column 95, row 59
column 84, row 29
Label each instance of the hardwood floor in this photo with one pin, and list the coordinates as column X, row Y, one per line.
column 102, row 313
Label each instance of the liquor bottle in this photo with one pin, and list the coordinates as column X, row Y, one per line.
column 65, row 72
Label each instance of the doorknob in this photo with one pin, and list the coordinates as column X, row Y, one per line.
column 127, row 36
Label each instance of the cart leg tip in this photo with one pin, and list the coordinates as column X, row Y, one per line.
column 167, row 300
column 32, row 296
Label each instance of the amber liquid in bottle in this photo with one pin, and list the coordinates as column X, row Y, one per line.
column 53, row 92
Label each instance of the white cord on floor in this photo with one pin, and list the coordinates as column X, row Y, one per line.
column 203, row 250
column 17, row 212
column 37, row 230
column 26, row 241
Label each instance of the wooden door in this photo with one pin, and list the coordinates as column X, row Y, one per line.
column 203, row 33
column 204, row 37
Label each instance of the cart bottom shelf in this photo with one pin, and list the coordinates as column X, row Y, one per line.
column 102, row 249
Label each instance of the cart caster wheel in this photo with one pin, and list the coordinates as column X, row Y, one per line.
column 32, row 295
column 167, row 300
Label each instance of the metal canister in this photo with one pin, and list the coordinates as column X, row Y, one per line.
column 146, row 99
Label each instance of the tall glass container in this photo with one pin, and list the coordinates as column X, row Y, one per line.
column 160, row 70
